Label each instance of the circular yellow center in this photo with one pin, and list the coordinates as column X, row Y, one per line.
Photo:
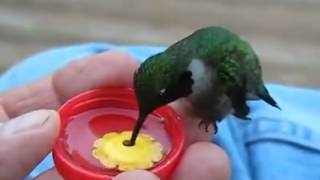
column 111, row 152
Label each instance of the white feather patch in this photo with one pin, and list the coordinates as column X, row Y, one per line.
column 201, row 75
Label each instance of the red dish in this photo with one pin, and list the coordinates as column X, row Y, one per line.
column 90, row 115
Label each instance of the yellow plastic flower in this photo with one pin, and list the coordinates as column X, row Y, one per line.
column 111, row 152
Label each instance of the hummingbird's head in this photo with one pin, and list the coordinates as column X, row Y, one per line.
column 158, row 82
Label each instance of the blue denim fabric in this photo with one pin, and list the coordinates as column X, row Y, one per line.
column 275, row 145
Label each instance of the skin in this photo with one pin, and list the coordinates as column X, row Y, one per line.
column 110, row 69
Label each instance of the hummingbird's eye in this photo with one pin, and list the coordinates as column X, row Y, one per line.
column 162, row 92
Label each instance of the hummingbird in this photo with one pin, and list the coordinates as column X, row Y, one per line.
column 213, row 68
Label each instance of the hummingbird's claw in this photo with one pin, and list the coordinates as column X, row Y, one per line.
column 205, row 124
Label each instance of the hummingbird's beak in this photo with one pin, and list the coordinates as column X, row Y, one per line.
column 136, row 130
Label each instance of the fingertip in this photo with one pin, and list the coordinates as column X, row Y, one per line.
column 137, row 174
column 53, row 123
column 206, row 161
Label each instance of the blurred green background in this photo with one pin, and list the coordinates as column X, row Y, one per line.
column 285, row 33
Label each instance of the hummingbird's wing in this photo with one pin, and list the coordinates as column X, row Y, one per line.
column 232, row 79
column 229, row 74
column 238, row 100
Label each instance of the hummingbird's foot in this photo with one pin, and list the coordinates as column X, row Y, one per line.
column 205, row 124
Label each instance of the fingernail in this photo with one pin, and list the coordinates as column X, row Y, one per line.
column 26, row 122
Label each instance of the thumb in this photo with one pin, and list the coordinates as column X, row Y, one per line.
column 25, row 141
column 137, row 174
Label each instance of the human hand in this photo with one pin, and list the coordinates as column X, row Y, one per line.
column 27, row 138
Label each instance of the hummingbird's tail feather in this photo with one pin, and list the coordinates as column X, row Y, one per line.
column 263, row 94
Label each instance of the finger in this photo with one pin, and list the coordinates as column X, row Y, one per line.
column 191, row 122
column 38, row 95
column 205, row 161
column 110, row 69
column 51, row 174
column 214, row 166
column 3, row 114
column 137, row 174
column 25, row 141
column 106, row 69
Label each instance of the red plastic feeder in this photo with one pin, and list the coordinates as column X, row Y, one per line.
column 90, row 115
